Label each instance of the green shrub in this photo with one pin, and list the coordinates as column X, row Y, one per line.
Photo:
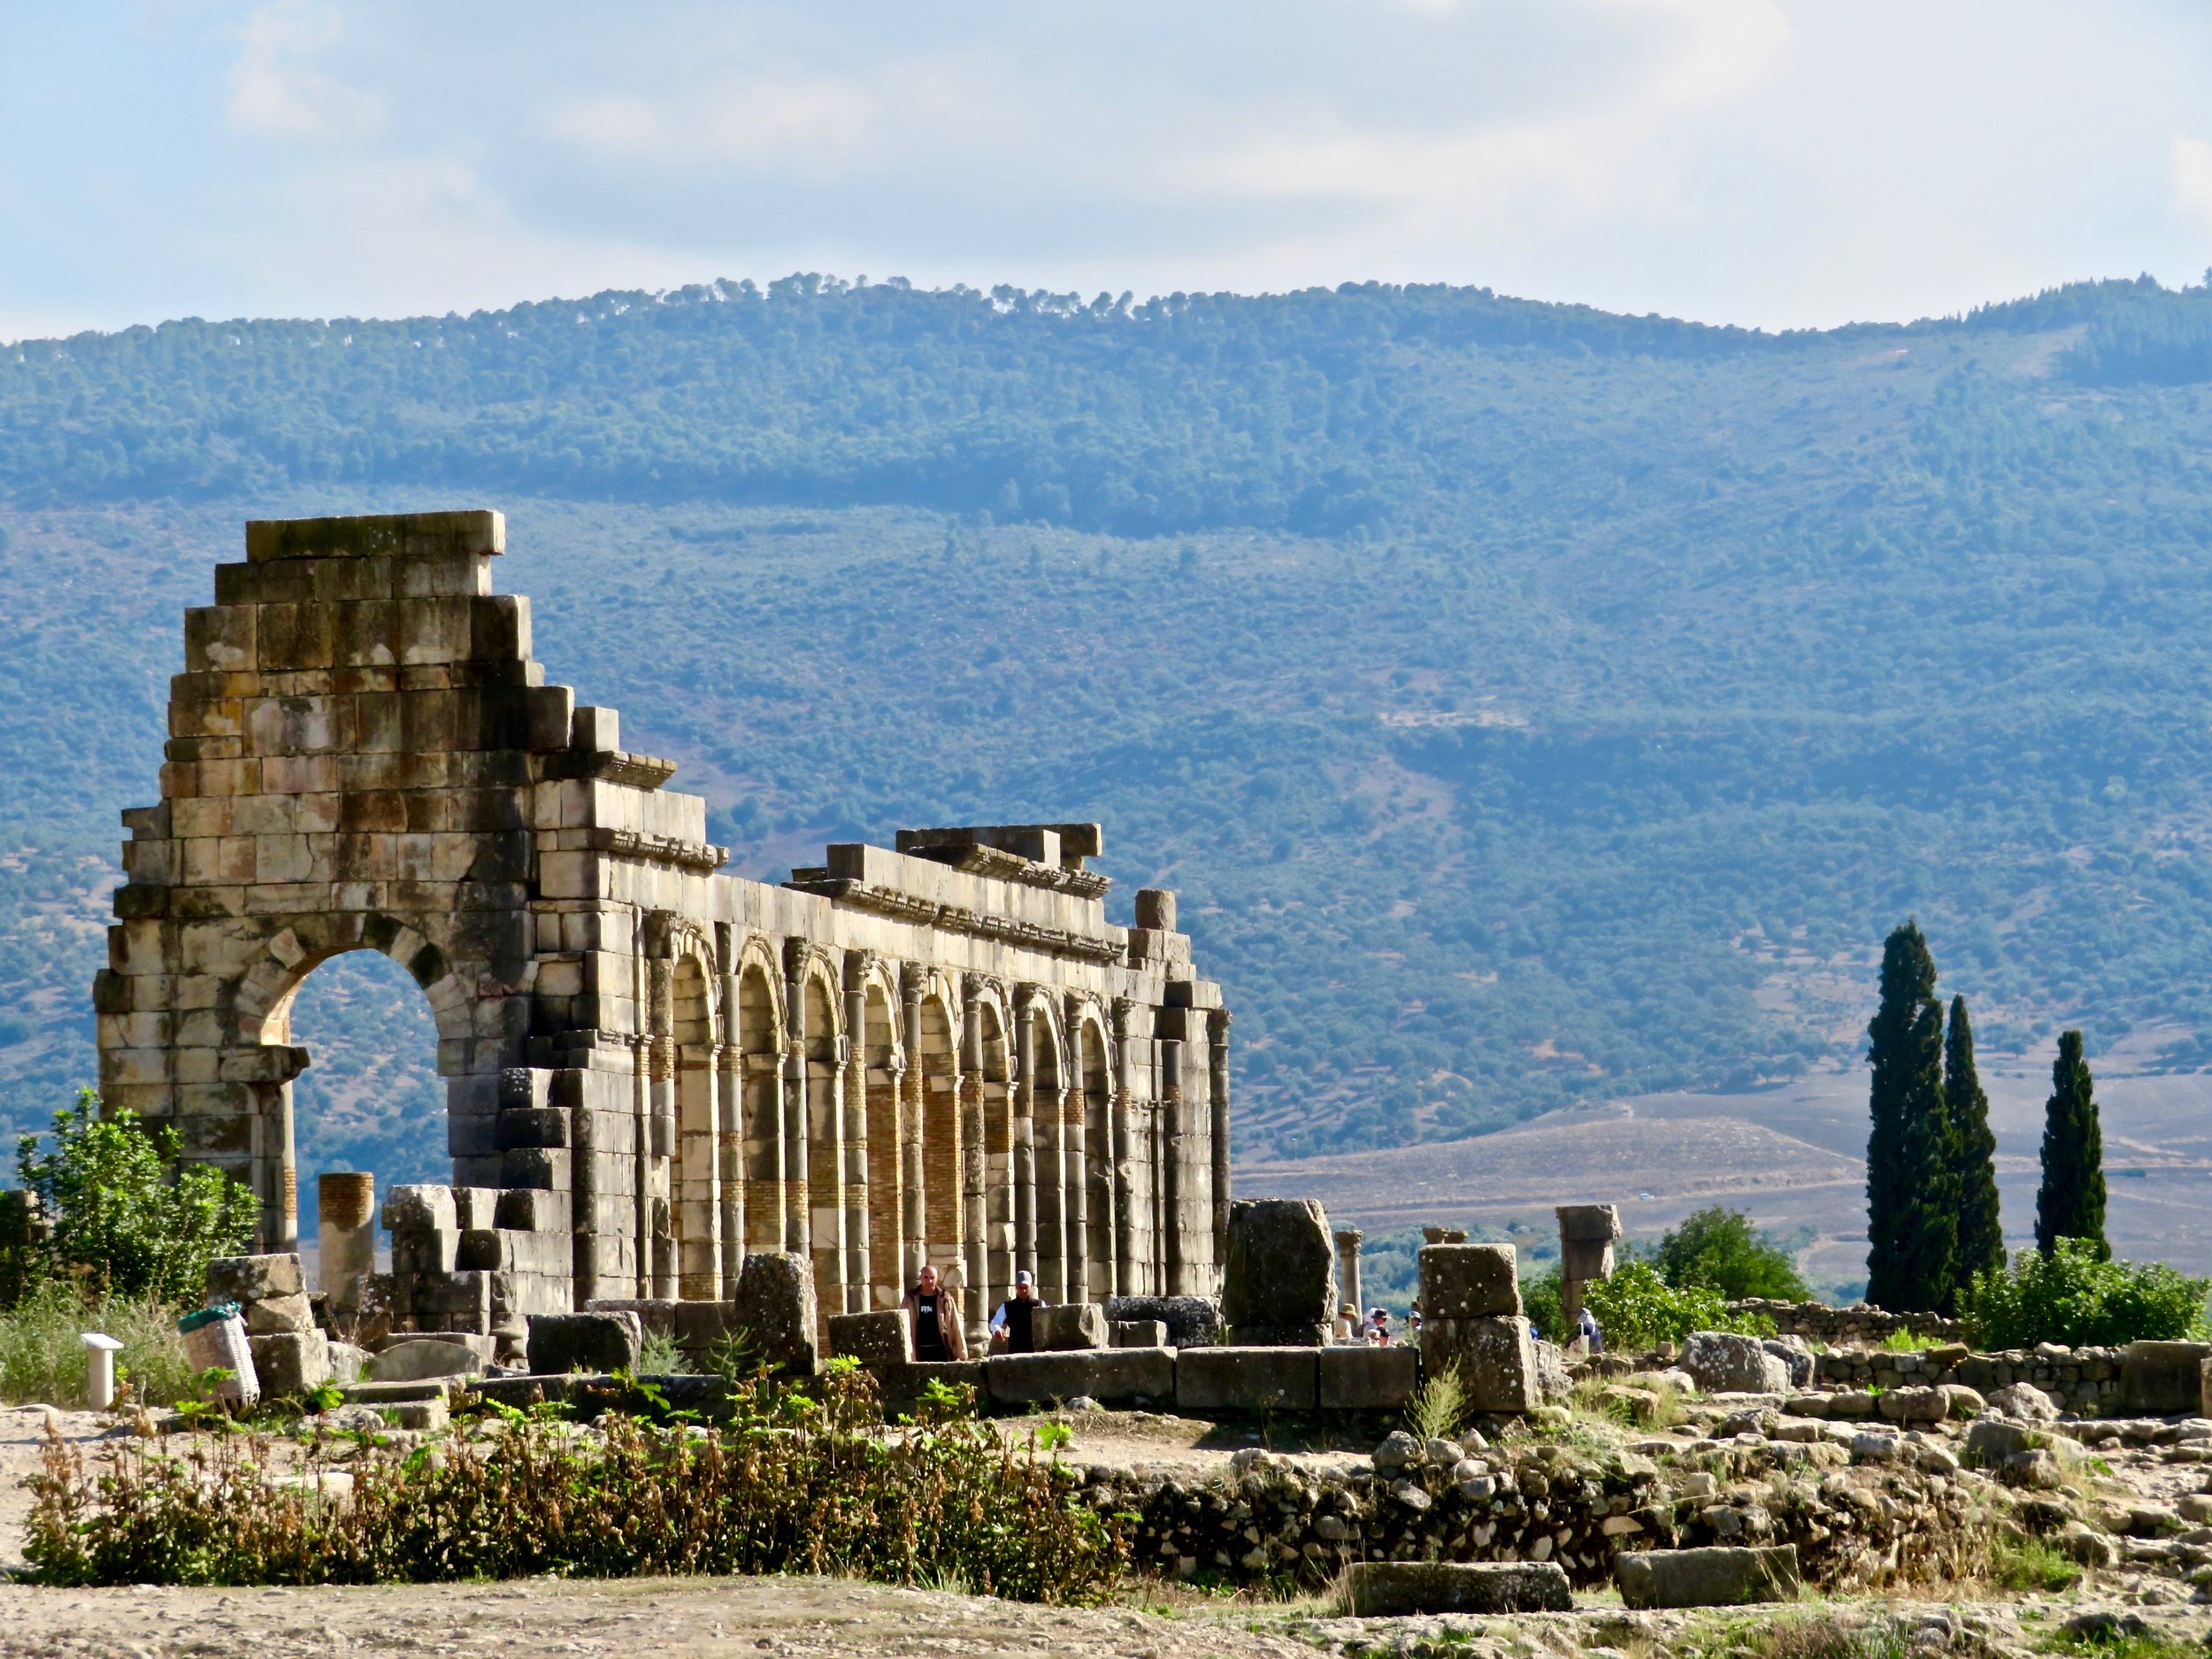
column 1717, row 1249
column 1543, row 1299
column 43, row 1354
column 1440, row 1405
column 2073, row 1298
column 1636, row 1309
column 118, row 1213
column 789, row 1484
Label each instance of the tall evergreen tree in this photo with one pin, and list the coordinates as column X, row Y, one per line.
column 1911, row 1208
column 2071, row 1203
column 1981, row 1245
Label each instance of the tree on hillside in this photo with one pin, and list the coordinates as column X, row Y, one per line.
column 1717, row 1249
column 2071, row 1204
column 1981, row 1234
column 1911, row 1203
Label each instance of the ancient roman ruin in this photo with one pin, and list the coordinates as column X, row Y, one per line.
column 941, row 1051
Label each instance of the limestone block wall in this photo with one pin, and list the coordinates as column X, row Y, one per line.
column 938, row 1051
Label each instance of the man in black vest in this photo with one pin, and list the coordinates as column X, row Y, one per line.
column 1016, row 1321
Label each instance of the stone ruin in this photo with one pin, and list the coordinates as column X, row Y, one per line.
column 936, row 1052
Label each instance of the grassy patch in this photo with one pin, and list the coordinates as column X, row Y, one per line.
column 2030, row 1564
column 42, row 1351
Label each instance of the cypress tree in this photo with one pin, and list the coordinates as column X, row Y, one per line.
column 1981, row 1246
column 1911, row 1208
column 2071, row 1203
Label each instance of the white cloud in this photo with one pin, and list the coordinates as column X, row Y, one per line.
column 277, row 92
column 2192, row 178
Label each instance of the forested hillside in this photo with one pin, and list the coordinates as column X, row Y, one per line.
column 1533, row 705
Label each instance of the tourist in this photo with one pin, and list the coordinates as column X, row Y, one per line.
column 1586, row 1328
column 1347, row 1323
column 933, row 1313
column 1378, row 1327
column 1413, row 1324
column 1014, row 1326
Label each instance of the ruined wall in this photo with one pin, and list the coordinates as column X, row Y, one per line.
column 939, row 1051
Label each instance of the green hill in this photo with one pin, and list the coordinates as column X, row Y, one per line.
column 1533, row 705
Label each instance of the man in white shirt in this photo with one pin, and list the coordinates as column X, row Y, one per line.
column 1014, row 1326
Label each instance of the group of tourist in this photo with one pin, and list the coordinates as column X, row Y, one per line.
column 933, row 1313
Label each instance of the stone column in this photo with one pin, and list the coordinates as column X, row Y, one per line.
column 915, row 1222
column 345, row 1204
column 1075, row 1183
column 974, row 1163
column 729, row 1063
column 1171, row 1246
column 1123, row 1152
column 853, row 1178
column 1217, row 1092
column 1025, row 1123
column 1348, row 1270
column 1587, row 1233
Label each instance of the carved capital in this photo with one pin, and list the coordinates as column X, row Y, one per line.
column 795, row 952
column 913, row 981
column 1122, row 1005
column 1026, row 1002
column 1217, row 1027
column 858, row 966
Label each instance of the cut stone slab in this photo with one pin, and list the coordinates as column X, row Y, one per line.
column 1469, row 1281
column 1399, row 1589
column 1495, row 1356
column 593, row 1342
column 1191, row 1321
column 1721, row 1362
column 1245, row 1378
column 274, row 1316
column 876, row 1339
column 2159, row 1378
column 291, row 1365
column 1717, row 1577
column 774, row 1305
column 393, row 1394
column 1073, row 1326
column 251, row 1278
column 1366, row 1379
column 1281, row 1266
column 412, row 1362
column 1136, row 1333
column 1120, row 1376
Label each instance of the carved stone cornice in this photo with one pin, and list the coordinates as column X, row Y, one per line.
column 907, row 907
column 697, row 857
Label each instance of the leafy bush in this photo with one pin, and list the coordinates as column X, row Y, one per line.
column 119, row 1213
column 1717, row 1249
column 787, row 1484
column 43, row 1354
column 2071, row 1297
column 1636, row 1309
column 1543, row 1299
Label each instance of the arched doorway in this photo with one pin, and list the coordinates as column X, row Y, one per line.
column 824, row 1193
column 880, row 1054
column 991, row 1202
column 760, row 1070
column 694, row 1183
column 1047, row 1170
column 944, row 1236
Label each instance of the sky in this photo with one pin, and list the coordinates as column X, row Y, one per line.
column 1759, row 161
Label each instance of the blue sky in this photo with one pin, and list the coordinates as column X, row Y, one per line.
column 1751, row 161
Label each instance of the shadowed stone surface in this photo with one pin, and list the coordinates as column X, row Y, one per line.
column 1281, row 1270
column 589, row 1342
column 1707, row 1577
column 1396, row 1589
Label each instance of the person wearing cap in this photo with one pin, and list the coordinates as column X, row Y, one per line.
column 1378, row 1327
column 1347, row 1323
column 932, row 1314
column 1014, row 1326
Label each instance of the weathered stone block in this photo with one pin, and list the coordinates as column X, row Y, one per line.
column 1366, row 1379
column 1469, row 1281
column 900, row 1388
column 412, row 1362
column 1073, row 1326
column 1110, row 1376
column 533, row 1210
column 561, row 1342
column 2159, row 1378
column 1281, row 1266
column 251, row 1278
column 277, row 1315
column 1398, row 1589
column 1191, row 1321
column 1707, row 1577
column 876, row 1339
column 773, row 1304
column 1496, row 1359
column 419, row 1207
column 1721, row 1362
column 1136, row 1333
column 290, row 1365
column 1246, row 1379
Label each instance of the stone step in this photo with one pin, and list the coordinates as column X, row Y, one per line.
column 395, row 1393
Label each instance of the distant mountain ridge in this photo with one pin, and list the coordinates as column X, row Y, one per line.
column 1535, row 706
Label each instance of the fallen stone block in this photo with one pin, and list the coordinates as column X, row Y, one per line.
column 1496, row 1359
column 251, row 1278
column 2025, row 1401
column 773, row 1306
column 1721, row 1362
column 1126, row 1375
column 348, row 1364
column 1791, row 1351
column 1913, row 1405
column 1398, row 1589
column 1073, row 1326
column 1245, row 1378
column 2159, row 1378
column 876, row 1339
column 412, row 1361
column 1469, row 1281
column 291, row 1365
column 1136, row 1333
column 426, row 1416
column 1366, row 1379
column 593, row 1342
column 899, row 1388
column 1281, row 1266
column 274, row 1316
column 387, row 1393
column 1191, row 1321
column 1720, row 1577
